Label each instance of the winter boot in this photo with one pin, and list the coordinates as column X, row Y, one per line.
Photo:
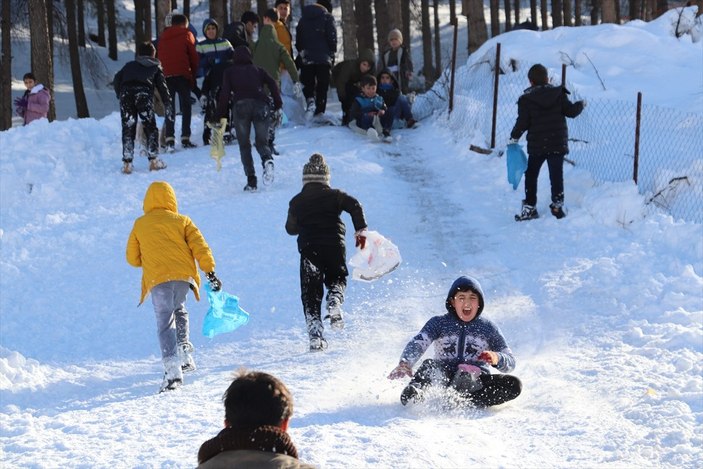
column 557, row 209
column 318, row 344
column 251, row 184
column 467, row 380
column 268, row 173
column 387, row 136
column 411, row 394
column 185, row 352
column 410, row 123
column 173, row 376
column 529, row 212
column 170, row 146
column 310, row 109
column 186, row 143
column 156, row 164
column 334, row 313
column 127, row 167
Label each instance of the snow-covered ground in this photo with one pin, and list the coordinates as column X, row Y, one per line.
column 605, row 317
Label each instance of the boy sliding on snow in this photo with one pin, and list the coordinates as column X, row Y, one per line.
column 166, row 244
column 465, row 346
column 368, row 112
column 314, row 215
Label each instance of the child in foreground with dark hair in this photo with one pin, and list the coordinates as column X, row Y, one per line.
column 34, row 103
column 542, row 112
column 258, row 407
column 466, row 347
column 368, row 112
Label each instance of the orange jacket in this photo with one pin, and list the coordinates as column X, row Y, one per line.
column 176, row 51
column 166, row 244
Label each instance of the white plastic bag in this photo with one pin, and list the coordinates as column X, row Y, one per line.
column 379, row 257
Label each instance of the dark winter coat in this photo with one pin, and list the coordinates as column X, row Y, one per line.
column 363, row 105
column 316, row 36
column 244, row 80
column 176, row 51
column 542, row 112
column 268, row 53
column 266, row 447
column 314, row 215
column 400, row 64
column 347, row 74
column 145, row 71
column 212, row 51
column 390, row 96
column 236, row 34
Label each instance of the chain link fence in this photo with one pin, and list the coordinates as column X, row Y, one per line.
column 667, row 163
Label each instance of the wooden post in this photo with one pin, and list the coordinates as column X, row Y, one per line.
column 636, row 165
column 495, row 97
column 563, row 75
column 455, row 23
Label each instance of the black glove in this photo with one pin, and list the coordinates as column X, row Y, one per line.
column 215, row 284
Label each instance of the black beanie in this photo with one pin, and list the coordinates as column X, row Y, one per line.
column 325, row 3
column 316, row 170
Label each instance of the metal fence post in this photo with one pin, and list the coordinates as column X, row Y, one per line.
column 495, row 97
column 637, row 137
column 455, row 23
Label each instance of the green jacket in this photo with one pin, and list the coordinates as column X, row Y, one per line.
column 269, row 53
column 347, row 72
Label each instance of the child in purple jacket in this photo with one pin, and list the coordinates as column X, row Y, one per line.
column 34, row 103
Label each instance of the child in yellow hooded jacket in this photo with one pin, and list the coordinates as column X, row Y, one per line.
column 166, row 244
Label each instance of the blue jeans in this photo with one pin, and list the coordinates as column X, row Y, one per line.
column 401, row 109
column 365, row 121
column 169, row 300
column 245, row 113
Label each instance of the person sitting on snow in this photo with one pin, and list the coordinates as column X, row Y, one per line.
column 368, row 112
column 466, row 347
column 398, row 104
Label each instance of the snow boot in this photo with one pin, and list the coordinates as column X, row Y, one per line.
column 334, row 314
column 557, row 210
column 318, row 344
column 156, row 164
column 251, row 184
column 310, row 109
column 387, row 136
column 186, row 143
column 411, row 394
column 529, row 212
column 173, row 375
column 185, row 352
column 127, row 167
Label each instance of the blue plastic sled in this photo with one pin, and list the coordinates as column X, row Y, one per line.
column 517, row 164
column 224, row 314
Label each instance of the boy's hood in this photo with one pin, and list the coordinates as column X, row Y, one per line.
column 545, row 95
column 242, row 55
column 387, row 71
column 146, row 61
column 160, row 195
column 207, row 23
column 465, row 283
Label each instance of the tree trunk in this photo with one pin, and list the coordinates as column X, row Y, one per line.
column 608, row 13
column 618, row 17
column 50, row 23
column 437, row 42
column 426, row 43
column 544, row 12
column 41, row 59
column 452, row 11
column 100, row 13
column 76, row 75
column 142, row 21
column 349, row 31
column 218, row 11
column 111, row 30
column 395, row 16
column 495, row 17
column 567, row 13
column 700, row 8
column 186, row 8
column 405, row 9
column 577, row 14
column 364, row 22
column 261, row 7
column 635, row 8
column 556, row 13
column 239, row 7
column 6, row 68
column 517, row 12
column 382, row 20
column 508, row 14
column 533, row 12
column 477, row 25
column 163, row 9
column 595, row 11
column 663, row 6
column 81, row 24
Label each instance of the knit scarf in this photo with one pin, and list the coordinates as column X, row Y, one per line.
column 265, row 438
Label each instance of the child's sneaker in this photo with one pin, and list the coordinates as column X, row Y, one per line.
column 268, row 173
column 127, row 167
column 387, row 136
column 529, row 212
column 186, row 353
column 317, row 344
column 411, row 394
column 156, row 164
column 557, row 210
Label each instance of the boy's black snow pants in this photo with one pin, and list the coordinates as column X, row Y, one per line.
column 497, row 388
column 138, row 102
column 555, row 163
column 321, row 266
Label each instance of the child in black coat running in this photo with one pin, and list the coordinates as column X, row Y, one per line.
column 314, row 215
column 542, row 112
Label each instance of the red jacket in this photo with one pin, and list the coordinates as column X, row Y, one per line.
column 176, row 51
